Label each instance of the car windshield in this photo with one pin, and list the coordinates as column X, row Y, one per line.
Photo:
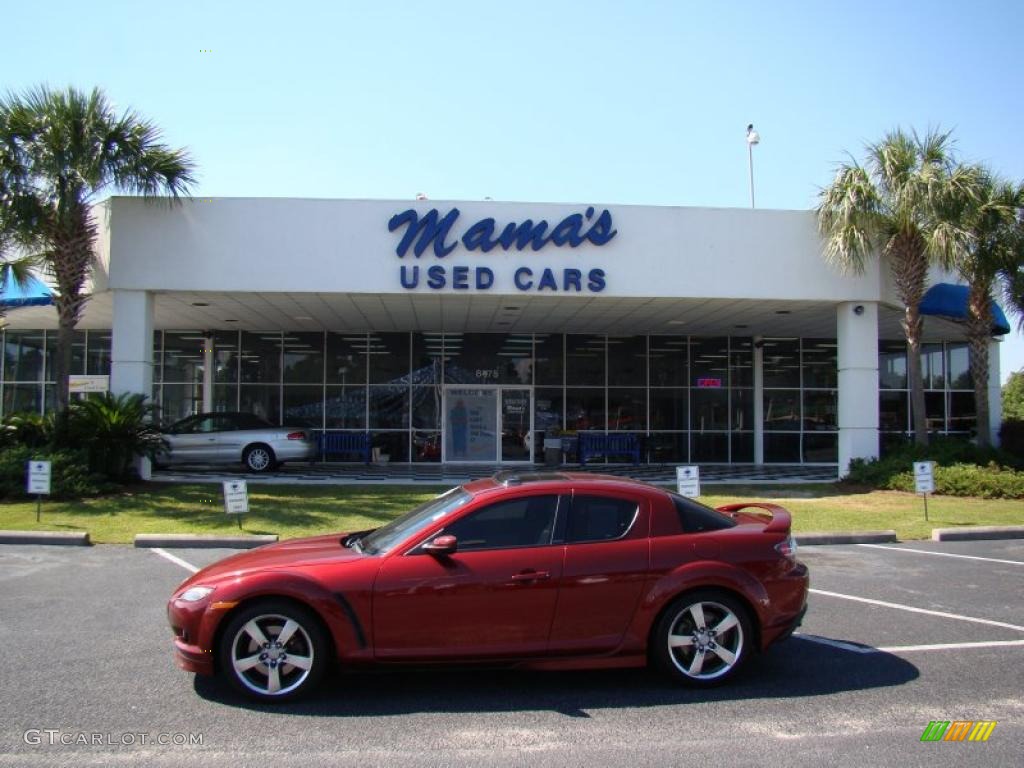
column 387, row 536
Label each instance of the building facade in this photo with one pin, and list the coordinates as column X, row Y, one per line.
column 473, row 331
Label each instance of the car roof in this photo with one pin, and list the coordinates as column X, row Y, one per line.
column 556, row 481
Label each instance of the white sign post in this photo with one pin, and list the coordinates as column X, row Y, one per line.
column 39, row 482
column 688, row 481
column 236, row 499
column 924, row 481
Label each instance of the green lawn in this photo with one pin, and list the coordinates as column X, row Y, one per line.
column 291, row 511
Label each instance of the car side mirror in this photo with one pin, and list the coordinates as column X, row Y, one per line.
column 442, row 545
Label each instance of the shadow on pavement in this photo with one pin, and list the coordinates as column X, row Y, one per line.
column 797, row 668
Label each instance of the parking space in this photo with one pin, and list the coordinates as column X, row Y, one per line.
column 894, row 638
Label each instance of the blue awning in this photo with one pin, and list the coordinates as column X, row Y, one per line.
column 950, row 301
column 31, row 293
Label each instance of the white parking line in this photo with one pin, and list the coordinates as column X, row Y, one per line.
column 943, row 554
column 174, row 559
column 925, row 611
column 854, row 648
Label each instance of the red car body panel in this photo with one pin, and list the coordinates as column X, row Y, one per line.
column 560, row 605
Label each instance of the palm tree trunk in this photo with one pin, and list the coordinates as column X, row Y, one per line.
column 70, row 262
column 67, row 319
column 979, row 330
column 909, row 265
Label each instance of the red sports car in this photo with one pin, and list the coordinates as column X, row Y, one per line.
column 545, row 570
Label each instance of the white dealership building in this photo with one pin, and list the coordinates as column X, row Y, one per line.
column 473, row 331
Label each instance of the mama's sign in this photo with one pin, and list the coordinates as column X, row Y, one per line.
column 432, row 229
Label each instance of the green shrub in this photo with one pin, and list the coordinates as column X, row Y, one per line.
column 112, row 430
column 962, row 469
column 69, row 472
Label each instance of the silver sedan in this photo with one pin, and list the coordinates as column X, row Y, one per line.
column 229, row 438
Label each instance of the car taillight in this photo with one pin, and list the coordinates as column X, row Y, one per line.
column 786, row 547
column 296, row 435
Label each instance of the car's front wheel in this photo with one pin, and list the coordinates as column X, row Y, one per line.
column 259, row 458
column 703, row 637
column 274, row 651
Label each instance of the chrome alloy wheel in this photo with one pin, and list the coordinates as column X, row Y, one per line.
column 258, row 458
column 705, row 640
column 272, row 655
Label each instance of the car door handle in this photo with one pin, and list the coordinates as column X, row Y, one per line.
column 531, row 576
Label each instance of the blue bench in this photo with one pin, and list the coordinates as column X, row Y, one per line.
column 333, row 443
column 595, row 444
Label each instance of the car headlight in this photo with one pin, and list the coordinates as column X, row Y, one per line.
column 194, row 594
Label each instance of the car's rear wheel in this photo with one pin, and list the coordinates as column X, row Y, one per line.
column 259, row 458
column 274, row 651
column 703, row 638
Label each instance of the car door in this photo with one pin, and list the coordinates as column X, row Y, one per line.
column 607, row 558
column 494, row 597
column 192, row 441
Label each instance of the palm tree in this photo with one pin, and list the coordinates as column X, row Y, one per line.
column 14, row 270
column 905, row 203
column 60, row 150
column 995, row 258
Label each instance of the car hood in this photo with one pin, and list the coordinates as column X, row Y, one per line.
column 286, row 554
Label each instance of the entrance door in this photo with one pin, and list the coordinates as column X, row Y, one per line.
column 488, row 424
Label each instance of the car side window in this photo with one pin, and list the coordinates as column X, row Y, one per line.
column 206, row 424
column 600, row 518
column 523, row 522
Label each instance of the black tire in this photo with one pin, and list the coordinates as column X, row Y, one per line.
column 259, row 458
column 707, row 623
column 256, row 666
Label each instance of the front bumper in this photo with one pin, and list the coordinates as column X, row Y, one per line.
column 192, row 658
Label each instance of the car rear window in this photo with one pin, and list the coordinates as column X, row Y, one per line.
column 696, row 518
column 600, row 518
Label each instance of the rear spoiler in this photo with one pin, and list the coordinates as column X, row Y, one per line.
column 781, row 520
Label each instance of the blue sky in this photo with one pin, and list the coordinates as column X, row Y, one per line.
column 641, row 102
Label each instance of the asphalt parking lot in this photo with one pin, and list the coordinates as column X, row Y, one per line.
column 896, row 636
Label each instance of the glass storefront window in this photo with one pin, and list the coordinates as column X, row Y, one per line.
column 709, row 409
column 23, row 358
column 961, row 412
column 668, row 448
column 742, row 447
column 389, row 407
column 958, row 365
column 179, row 400
column 427, row 358
column 892, row 365
column 98, row 362
column 742, row 410
column 225, row 357
column 709, row 360
column 584, row 409
column 260, row 358
column 346, row 358
column 303, row 358
column 781, row 449
column 709, row 447
column 821, row 410
column 741, row 362
column 932, row 369
column 585, row 360
column 781, row 363
column 670, row 409
column 225, row 397
column 345, row 408
column 820, row 364
column 23, row 398
column 77, row 353
column 303, row 406
column 627, row 361
column 426, row 408
column 547, row 408
column 183, row 357
column 821, row 449
column 488, row 358
column 394, row 445
column 548, row 365
column 426, row 446
column 892, row 411
column 782, row 410
column 389, row 358
column 262, row 399
column 627, row 410
column 669, row 361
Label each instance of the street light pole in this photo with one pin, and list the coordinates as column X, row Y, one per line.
column 753, row 137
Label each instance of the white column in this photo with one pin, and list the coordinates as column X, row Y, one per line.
column 758, row 400
column 995, row 392
column 131, row 353
column 857, row 340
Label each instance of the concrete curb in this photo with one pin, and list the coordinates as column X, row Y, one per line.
column 62, row 538
column 202, row 540
column 853, row 537
column 978, row 532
